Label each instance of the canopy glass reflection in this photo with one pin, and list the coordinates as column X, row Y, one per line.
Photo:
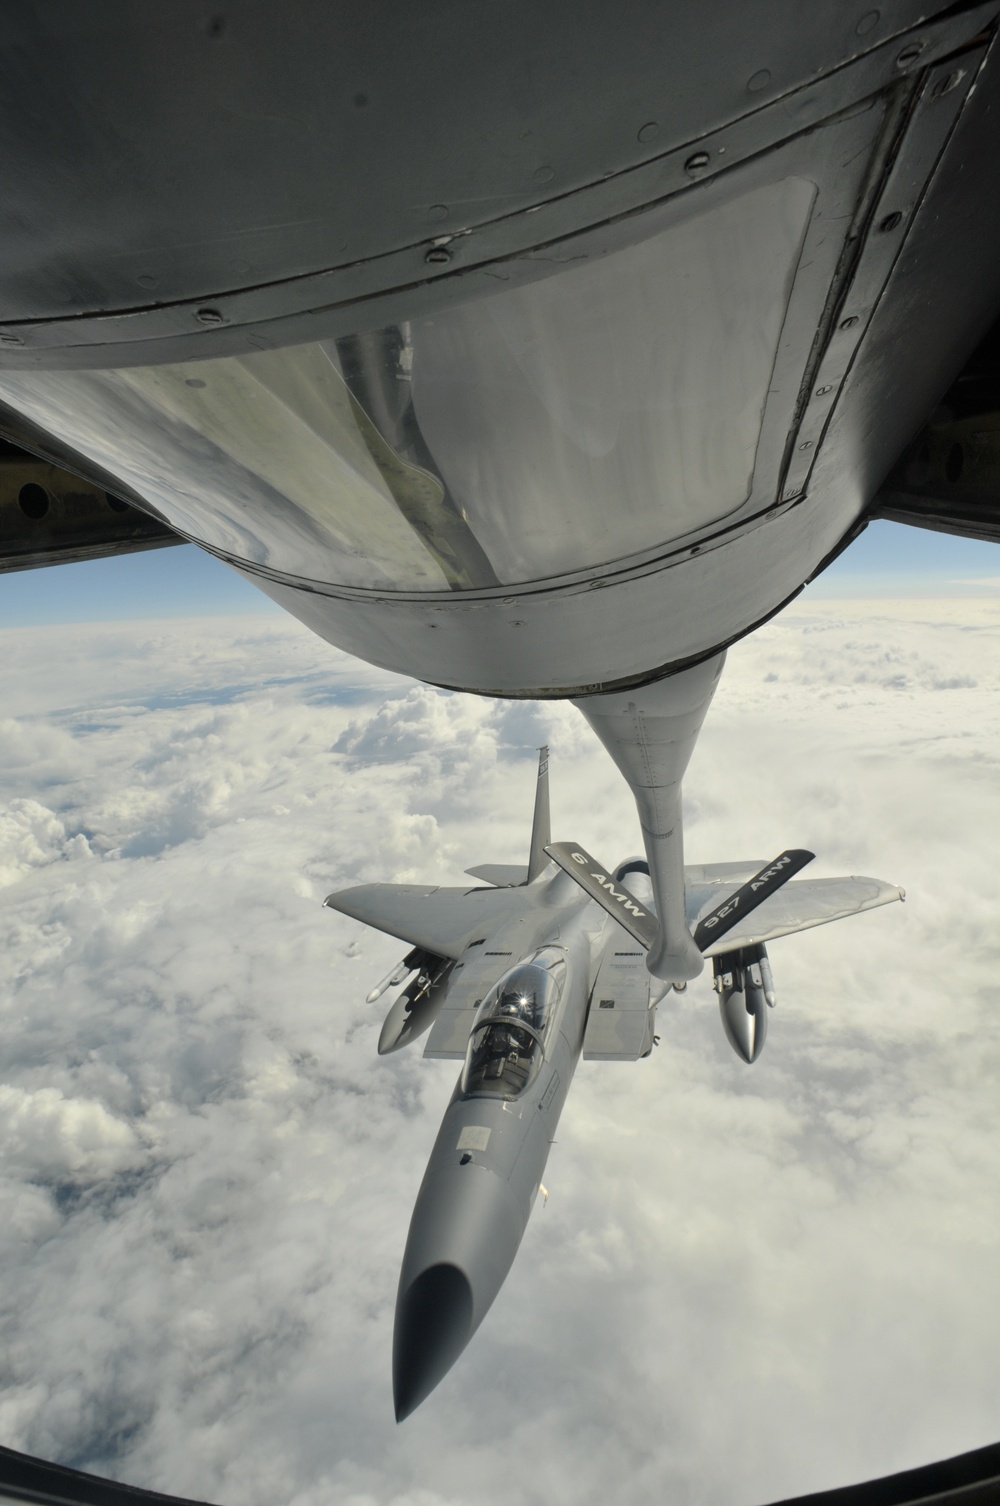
column 506, row 1047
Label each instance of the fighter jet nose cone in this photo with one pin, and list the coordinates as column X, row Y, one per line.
column 433, row 1326
column 744, row 1019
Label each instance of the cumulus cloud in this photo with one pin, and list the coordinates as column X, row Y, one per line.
column 47, row 1136
column 746, row 1283
column 32, row 836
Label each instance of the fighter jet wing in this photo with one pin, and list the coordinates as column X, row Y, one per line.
column 501, row 875
column 442, row 921
column 795, row 907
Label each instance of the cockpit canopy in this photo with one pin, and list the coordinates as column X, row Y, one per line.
column 507, row 1044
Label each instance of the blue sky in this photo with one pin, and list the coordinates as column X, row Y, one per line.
column 888, row 560
column 182, row 581
column 892, row 559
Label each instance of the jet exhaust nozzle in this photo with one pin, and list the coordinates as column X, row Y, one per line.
column 745, row 987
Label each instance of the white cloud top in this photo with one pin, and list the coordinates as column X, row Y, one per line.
column 747, row 1282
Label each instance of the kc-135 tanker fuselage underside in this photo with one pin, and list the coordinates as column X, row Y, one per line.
column 522, row 379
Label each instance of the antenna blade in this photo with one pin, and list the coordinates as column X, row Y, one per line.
column 541, row 834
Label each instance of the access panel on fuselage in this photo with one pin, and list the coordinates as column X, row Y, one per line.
column 619, row 1021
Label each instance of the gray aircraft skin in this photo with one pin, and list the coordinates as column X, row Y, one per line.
column 519, row 979
column 524, row 378
column 487, row 1163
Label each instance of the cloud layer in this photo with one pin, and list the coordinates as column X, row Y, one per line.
column 747, row 1282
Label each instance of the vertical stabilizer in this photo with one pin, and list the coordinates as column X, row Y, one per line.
column 541, row 834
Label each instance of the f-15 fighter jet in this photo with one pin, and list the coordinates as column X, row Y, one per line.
column 517, row 978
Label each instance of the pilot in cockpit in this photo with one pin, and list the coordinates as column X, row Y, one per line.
column 505, row 1047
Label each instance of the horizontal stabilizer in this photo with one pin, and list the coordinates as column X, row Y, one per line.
column 594, row 879
column 796, row 907
column 443, row 921
column 502, row 875
column 749, row 895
